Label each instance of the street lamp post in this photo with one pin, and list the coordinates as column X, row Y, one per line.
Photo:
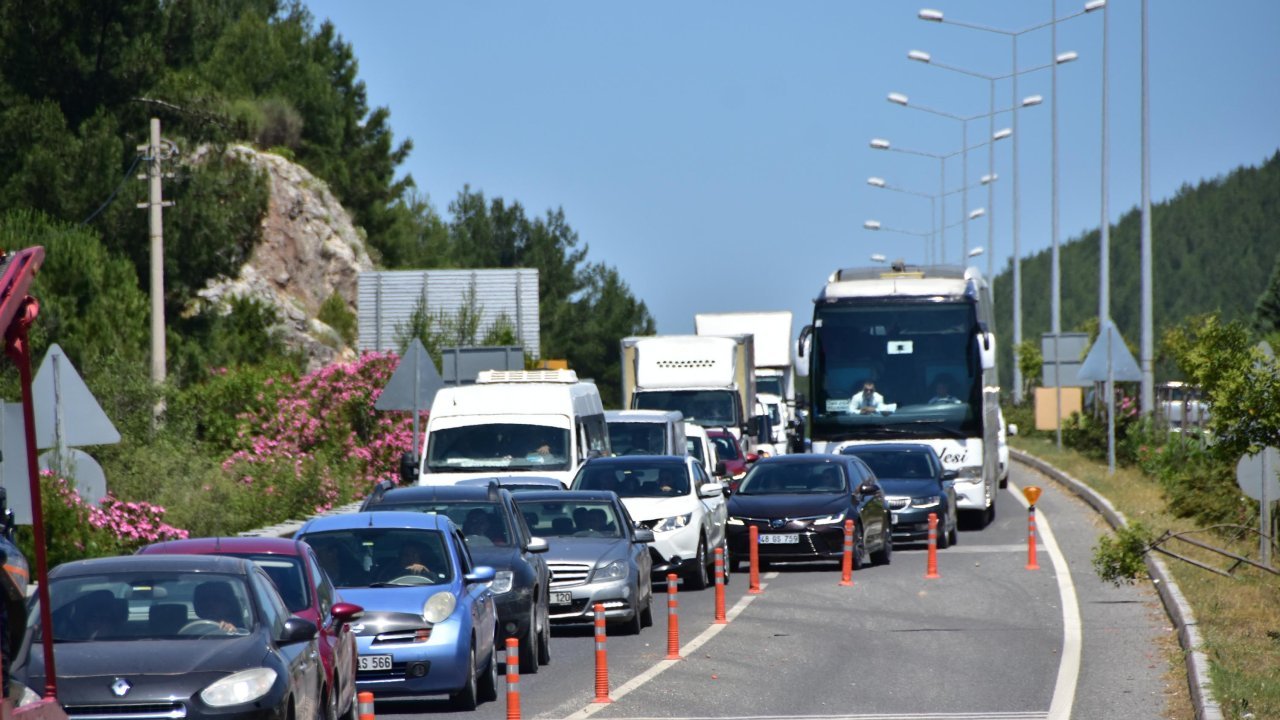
column 933, row 210
column 877, row 226
column 938, row 17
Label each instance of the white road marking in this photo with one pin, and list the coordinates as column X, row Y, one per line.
column 653, row 672
column 1064, row 690
column 967, row 549
column 866, row 716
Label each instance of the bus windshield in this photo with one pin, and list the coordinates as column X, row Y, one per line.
column 896, row 369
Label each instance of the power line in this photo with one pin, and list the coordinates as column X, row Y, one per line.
column 114, row 193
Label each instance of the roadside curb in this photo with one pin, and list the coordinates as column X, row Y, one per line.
column 1206, row 708
column 289, row 527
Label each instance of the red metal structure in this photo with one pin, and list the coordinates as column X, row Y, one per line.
column 18, row 311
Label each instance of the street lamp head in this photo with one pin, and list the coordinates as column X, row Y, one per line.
column 919, row 56
column 871, row 224
column 1094, row 5
column 875, row 182
column 975, row 252
column 1067, row 57
column 1032, row 100
column 898, row 98
column 1002, row 134
column 877, row 257
column 988, row 179
column 930, row 15
column 977, row 213
column 880, row 143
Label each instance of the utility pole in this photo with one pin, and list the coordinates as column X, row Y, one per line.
column 156, row 151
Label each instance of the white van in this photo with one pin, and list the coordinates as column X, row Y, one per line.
column 544, row 422
column 700, row 447
column 646, row 432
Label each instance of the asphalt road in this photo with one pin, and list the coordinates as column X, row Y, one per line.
column 987, row 639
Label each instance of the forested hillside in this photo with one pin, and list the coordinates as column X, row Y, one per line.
column 1216, row 248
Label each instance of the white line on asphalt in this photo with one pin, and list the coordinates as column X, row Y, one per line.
column 964, row 549
column 871, row 716
column 1064, row 690
column 657, row 669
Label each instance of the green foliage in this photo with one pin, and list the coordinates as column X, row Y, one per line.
column 1030, row 364
column 1215, row 245
column 244, row 333
column 1266, row 313
column 1198, row 483
column 335, row 313
column 1120, row 558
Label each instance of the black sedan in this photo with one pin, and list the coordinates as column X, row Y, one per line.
column 799, row 504
column 194, row 636
column 915, row 485
column 497, row 535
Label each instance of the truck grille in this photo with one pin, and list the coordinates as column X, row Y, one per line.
column 564, row 574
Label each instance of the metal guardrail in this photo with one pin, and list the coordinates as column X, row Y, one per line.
column 289, row 527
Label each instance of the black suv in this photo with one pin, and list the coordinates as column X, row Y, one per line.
column 497, row 535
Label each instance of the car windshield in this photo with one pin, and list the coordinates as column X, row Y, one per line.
column 637, row 438
column 577, row 518
column 726, row 448
column 794, row 479
column 482, row 521
column 148, row 605
column 668, row 479
column 287, row 573
column 895, row 463
column 507, row 446
column 380, row 557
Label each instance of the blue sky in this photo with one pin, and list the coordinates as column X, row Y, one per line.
column 717, row 152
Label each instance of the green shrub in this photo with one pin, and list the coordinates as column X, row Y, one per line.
column 1120, row 558
column 335, row 313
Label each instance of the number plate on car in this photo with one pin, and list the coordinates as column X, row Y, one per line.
column 775, row 539
column 561, row 598
column 373, row 662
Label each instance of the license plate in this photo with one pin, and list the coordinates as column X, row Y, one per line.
column 775, row 539
column 373, row 662
column 561, row 598
column 893, row 518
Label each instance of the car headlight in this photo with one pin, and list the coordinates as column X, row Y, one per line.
column 242, row 687
column 736, row 521
column 612, row 571
column 830, row 519
column 502, row 582
column 927, row 501
column 674, row 523
column 439, row 607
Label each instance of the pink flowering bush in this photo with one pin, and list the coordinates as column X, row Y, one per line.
column 75, row 529
column 321, row 443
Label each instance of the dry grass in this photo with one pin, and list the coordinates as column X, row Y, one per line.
column 1238, row 617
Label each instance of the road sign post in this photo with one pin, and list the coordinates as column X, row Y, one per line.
column 1259, row 477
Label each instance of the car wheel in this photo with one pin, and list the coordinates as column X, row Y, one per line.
column 329, row 703
column 633, row 624
column 544, row 636
column 884, row 555
column 466, row 698
column 487, row 686
column 860, row 557
column 955, row 530
column 353, row 709
column 529, row 644
column 989, row 515
column 944, row 537
column 698, row 573
column 646, row 612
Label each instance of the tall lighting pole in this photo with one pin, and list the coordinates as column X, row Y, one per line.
column 938, row 17
column 1148, row 380
column 879, row 182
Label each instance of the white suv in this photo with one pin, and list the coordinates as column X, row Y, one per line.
column 674, row 497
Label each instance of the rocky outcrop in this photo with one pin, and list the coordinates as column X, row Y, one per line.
column 309, row 250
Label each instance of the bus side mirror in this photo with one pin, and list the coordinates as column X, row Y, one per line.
column 987, row 349
column 803, row 346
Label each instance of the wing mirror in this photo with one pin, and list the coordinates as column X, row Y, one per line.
column 643, row 535
column 710, row 490
column 297, row 630
column 950, row 475
column 1011, row 429
column 537, row 545
column 409, row 468
column 345, row 612
column 481, row 574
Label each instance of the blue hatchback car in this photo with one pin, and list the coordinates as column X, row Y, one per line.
column 429, row 616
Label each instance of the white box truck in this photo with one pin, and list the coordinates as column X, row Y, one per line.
column 710, row 380
column 772, row 336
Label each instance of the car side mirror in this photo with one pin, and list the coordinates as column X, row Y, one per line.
column 297, row 630
column 710, row 490
column 345, row 612
column 537, row 545
column 481, row 574
column 1011, row 429
column 867, row 489
column 950, row 474
column 752, row 457
column 643, row 535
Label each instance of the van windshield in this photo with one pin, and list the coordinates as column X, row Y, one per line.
column 506, row 446
column 636, row 438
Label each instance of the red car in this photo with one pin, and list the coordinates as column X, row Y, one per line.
column 731, row 462
column 307, row 593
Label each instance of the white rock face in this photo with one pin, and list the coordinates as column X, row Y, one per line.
column 309, row 250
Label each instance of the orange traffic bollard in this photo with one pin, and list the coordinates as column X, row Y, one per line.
column 846, row 562
column 753, row 553
column 364, row 704
column 1032, row 494
column 513, row 679
column 720, row 614
column 931, row 568
column 673, row 619
column 602, row 659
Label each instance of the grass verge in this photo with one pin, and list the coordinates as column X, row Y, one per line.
column 1238, row 616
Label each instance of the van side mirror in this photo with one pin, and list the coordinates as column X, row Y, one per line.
column 409, row 468
column 1011, row 429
